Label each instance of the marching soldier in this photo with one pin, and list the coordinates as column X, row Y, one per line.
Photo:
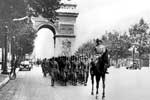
column 67, row 66
column 43, row 65
column 74, row 69
column 54, row 71
column 86, row 70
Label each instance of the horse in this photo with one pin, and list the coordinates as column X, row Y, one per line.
column 98, row 69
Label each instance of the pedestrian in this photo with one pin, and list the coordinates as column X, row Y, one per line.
column 14, row 65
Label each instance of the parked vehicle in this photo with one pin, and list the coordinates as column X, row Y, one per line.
column 133, row 66
column 25, row 65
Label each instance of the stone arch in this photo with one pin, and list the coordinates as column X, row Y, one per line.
column 49, row 27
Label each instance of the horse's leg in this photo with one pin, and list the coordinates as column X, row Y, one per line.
column 75, row 78
column 52, row 79
column 103, row 79
column 87, row 75
column 65, row 78
column 92, row 79
column 72, row 78
column 97, row 84
column 84, row 78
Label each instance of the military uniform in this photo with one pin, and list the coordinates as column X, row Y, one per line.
column 100, row 49
column 86, row 70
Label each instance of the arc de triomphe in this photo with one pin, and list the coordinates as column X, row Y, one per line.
column 64, row 29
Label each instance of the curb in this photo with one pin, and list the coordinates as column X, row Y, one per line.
column 6, row 80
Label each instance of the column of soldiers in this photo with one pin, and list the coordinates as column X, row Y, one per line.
column 74, row 69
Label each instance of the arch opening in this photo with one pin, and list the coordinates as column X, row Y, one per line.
column 44, row 43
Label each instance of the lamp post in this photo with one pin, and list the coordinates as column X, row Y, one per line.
column 133, row 50
column 13, row 48
column 133, row 54
column 5, row 52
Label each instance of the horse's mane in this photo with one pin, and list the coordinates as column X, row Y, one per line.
column 105, row 54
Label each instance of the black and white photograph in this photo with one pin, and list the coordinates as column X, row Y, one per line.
column 74, row 50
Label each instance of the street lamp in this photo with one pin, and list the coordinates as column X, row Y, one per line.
column 133, row 49
column 13, row 47
column 5, row 52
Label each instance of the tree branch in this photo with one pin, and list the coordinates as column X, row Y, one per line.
column 20, row 19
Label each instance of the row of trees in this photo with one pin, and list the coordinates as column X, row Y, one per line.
column 16, row 14
column 119, row 44
column 16, row 24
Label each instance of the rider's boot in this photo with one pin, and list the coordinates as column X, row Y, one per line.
column 107, row 72
column 52, row 82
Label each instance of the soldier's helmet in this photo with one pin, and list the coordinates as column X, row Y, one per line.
column 72, row 57
column 85, row 57
column 98, row 41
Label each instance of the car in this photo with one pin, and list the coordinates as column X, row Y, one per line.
column 25, row 65
column 134, row 66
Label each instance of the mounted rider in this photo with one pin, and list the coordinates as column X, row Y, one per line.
column 99, row 50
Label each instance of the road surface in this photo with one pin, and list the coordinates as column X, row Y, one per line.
column 121, row 84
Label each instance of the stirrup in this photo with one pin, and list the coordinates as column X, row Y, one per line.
column 107, row 72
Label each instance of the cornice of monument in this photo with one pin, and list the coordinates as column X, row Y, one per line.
column 69, row 2
column 67, row 14
column 65, row 35
column 68, row 8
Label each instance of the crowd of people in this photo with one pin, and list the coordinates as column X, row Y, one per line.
column 74, row 69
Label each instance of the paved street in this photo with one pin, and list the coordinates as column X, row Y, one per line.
column 121, row 84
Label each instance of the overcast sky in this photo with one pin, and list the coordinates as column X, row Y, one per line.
column 97, row 16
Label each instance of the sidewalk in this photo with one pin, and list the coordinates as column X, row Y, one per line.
column 3, row 79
